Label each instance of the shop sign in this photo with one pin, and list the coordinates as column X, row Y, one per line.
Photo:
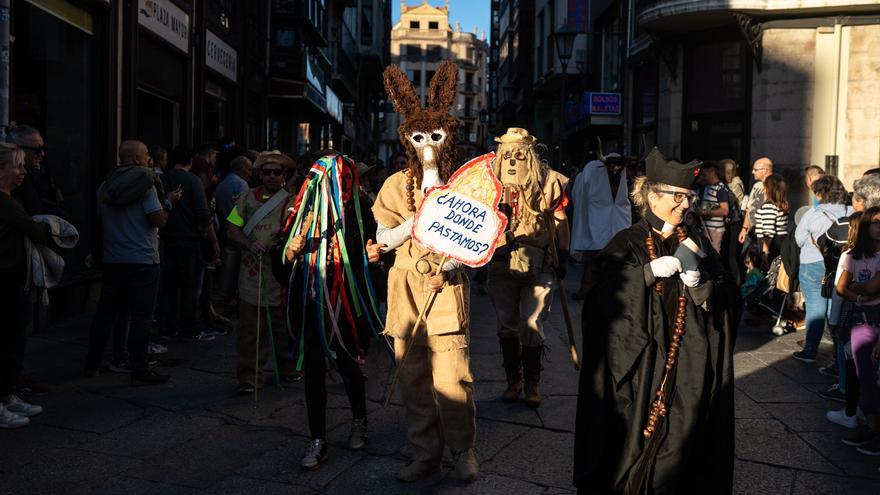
column 166, row 20
column 334, row 106
column 604, row 103
column 221, row 57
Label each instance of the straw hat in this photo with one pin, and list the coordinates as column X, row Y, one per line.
column 516, row 135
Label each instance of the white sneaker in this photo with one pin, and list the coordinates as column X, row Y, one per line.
column 156, row 349
column 15, row 405
column 10, row 420
column 839, row 417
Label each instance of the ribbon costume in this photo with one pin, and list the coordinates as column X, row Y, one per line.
column 435, row 380
column 332, row 311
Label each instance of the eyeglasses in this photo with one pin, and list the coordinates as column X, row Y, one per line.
column 756, row 169
column 277, row 172
column 36, row 149
column 679, row 196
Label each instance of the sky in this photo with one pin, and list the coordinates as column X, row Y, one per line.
column 468, row 13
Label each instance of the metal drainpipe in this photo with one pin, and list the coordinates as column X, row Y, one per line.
column 628, row 79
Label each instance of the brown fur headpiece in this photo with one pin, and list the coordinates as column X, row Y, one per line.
column 415, row 118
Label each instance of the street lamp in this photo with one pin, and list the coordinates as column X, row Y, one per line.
column 563, row 38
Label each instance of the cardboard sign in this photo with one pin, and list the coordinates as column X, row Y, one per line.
column 461, row 219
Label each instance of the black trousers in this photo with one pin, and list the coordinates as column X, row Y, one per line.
column 316, row 391
column 12, row 332
column 127, row 288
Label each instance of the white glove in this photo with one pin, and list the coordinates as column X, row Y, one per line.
column 665, row 266
column 691, row 278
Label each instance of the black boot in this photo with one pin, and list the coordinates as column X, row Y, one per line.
column 531, row 360
column 510, row 350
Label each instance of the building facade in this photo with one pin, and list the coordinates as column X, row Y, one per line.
column 705, row 79
column 327, row 59
column 91, row 73
column 293, row 75
column 420, row 41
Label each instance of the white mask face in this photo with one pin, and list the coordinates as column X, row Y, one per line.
column 426, row 145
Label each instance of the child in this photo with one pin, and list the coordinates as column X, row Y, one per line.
column 859, row 284
column 753, row 274
column 839, row 326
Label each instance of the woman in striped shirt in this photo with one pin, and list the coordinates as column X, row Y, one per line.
column 771, row 219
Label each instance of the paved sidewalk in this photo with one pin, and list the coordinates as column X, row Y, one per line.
column 193, row 435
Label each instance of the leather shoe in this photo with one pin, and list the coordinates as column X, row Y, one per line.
column 417, row 470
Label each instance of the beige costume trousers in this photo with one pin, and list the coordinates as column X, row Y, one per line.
column 521, row 304
column 438, row 392
column 246, row 344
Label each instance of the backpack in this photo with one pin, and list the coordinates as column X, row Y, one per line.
column 831, row 244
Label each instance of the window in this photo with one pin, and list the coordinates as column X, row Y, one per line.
column 367, row 22
column 429, row 75
column 416, row 77
column 435, row 54
column 414, row 25
column 469, row 78
column 468, row 106
column 413, row 53
column 433, row 25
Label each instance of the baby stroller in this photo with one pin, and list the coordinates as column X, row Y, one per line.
column 770, row 295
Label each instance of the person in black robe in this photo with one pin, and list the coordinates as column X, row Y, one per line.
column 629, row 328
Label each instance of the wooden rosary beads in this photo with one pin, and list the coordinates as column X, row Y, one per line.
column 658, row 407
column 410, row 192
column 652, row 251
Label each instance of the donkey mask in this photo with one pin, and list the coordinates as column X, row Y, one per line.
column 428, row 135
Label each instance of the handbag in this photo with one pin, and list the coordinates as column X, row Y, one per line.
column 828, row 285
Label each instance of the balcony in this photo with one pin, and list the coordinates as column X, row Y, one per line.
column 343, row 59
column 686, row 15
column 468, row 88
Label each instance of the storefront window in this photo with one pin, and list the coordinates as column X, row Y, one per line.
column 216, row 111
column 57, row 81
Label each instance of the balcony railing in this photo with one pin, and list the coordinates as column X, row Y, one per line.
column 468, row 88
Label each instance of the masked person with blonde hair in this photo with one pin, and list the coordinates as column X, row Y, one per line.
column 655, row 402
column 529, row 258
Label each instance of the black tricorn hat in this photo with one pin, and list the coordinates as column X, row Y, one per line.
column 660, row 169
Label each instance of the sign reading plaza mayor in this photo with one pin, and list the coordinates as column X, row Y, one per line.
column 165, row 20
column 461, row 219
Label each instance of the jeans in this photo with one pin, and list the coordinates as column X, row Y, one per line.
column 182, row 272
column 810, row 276
column 127, row 288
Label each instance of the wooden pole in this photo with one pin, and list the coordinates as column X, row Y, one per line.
column 426, row 306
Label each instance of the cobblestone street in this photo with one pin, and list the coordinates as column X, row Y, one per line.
column 193, row 435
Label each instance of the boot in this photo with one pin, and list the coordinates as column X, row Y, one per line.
column 417, row 470
column 531, row 358
column 466, row 467
column 510, row 350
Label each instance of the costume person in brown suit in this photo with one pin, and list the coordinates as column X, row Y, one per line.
column 531, row 260
column 435, row 380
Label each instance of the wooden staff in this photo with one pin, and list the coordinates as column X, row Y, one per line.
column 426, row 306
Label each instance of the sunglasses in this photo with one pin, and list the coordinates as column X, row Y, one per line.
column 679, row 196
column 35, row 149
column 277, row 172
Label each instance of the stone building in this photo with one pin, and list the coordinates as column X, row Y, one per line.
column 795, row 80
column 422, row 39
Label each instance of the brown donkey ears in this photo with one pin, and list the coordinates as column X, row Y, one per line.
column 401, row 91
column 441, row 93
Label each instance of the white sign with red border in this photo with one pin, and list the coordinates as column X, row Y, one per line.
column 461, row 219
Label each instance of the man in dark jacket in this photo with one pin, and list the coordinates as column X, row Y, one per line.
column 183, row 269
